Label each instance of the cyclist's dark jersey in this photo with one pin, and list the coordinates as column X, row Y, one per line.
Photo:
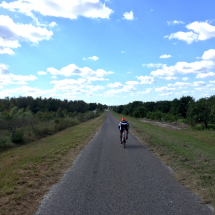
column 123, row 124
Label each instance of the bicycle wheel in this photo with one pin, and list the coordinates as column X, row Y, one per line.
column 124, row 140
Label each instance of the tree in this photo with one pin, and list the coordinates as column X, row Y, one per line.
column 140, row 112
column 200, row 112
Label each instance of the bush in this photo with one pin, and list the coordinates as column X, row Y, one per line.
column 5, row 142
column 40, row 131
column 17, row 137
column 140, row 112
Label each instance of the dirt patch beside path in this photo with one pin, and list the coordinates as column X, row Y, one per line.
column 172, row 125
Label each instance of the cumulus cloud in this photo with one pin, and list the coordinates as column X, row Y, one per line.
column 42, row 73
column 72, row 70
column 198, row 31
column 169, row 78
column 165, row 94
column 52, row 24
column 165, row 56
column 93, row 58
column 185, row 78
column 11, row 34
column 154, row 65
column 209, row 55
column 4, row 69
column 78, row 86
column 60, row 8
column 180, row 84
column 146, row 79
column 128, row 16
column 175, row 22
column 206, row 75
column 115, row 85
column 164, row 89
column 185, row 85
column 25, row 91
column 197, row 67
column 8, row 78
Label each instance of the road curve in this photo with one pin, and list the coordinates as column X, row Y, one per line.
column 108, row 179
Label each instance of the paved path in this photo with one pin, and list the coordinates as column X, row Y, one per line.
column 108, row 179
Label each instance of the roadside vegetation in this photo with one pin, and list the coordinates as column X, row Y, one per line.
column 28, row 171
column 189, row 152
column 199, row 114
column 25, row 119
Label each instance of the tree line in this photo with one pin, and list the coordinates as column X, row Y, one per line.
column 185, row 109
column 25, row 119
column 48, row 104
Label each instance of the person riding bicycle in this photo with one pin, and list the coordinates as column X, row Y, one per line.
column 123, row 125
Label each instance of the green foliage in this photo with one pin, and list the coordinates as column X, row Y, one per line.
column 18, row 136
column 60, row 113
column 200, row 112
column 140, row 112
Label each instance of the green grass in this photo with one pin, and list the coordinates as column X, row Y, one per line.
column 22, row 166
column 187, row 151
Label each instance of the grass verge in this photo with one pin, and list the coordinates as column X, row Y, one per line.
column 190, row 153
column 27, row 172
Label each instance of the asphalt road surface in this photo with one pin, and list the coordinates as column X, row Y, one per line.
column 108, row 179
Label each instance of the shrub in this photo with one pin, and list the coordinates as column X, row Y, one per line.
column 140, row 112
column 5, row 142
column 17, row 137
column 40, row 131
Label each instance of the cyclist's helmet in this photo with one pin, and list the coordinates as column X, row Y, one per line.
column 123, row 119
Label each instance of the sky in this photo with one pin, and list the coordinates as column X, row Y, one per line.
column 107, row 51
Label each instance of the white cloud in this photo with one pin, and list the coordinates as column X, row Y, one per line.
column 4, row 50
column 185, row 78
column 60, row 8
column 212, row 82
column 52, row 24
column 128, row 16
column 165, row 94
column 165, row 56
column 23, row 91
column 169, row 78
column 154, row 65
column 209, row 55
column 115, row 85
column 164, row 89
column 146, row 79
column 42, row 73
column 132, row 83
column 180, row 85
column 72, row 69
column 7, row 78
column 198, row 84
column 93, row 58
column 4, row 69
column 206, row 75
column 11, row 34
column 75, row 86
column 185, row 68
column 175, row 22
column 123, row 52
column 199, row 31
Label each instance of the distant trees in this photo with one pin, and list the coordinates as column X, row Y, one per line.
column 202, row 112
column 50, row 104
column 185, row 109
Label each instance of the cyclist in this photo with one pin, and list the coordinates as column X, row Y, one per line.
column 123, row 125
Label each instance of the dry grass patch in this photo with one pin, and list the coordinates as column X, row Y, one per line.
column 27, row 172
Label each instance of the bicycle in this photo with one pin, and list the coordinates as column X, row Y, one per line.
column 123, row 138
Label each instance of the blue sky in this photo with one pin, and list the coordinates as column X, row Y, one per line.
column 105, row 51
